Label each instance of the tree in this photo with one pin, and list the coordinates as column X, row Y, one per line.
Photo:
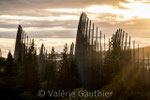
column 74, row 75
column 64, row 70
column 2, row 64
column 31, row 81
column 9, row 63
column 12, row 76
column 51, row 70
column 11, row 71
column 68, row 77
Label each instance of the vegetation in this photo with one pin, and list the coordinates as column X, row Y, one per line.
column 20, row 79
column 117, row 70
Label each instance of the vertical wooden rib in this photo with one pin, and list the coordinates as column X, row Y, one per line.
column 89, row 36
column 93, row 35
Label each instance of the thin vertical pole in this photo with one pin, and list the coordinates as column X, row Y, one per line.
column 130, row 50
column 100, row 41
column 120, row 35
column 109, row 44
column 104, row 44
column 89, row 32
column 147, row 69
column 123, row 39
column 96, row 37
column 138, row 55
column 87, row 29
column 126, row 41
column 93, row 35
column 129, row 42
column 27, row 42
column 143, row 57
column 134, row 51
column 148, row 59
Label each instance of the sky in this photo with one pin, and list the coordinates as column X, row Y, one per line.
column 59, row 18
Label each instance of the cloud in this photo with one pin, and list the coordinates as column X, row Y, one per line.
column 39, row 4
column 43, row 18
column 59, row 18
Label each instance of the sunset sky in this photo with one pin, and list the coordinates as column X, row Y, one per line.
column 59, row 18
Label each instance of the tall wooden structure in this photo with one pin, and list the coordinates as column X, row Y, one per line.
column 21, row 45
column 94, row 55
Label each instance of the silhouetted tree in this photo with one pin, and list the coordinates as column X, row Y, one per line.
column 31, row 81
column 74, row 75
column 68, row 77
column 51, row 70
column 64, row 70
column 2, row 65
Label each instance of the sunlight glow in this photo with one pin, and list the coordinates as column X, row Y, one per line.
column 135, row 10
column 8, row 44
